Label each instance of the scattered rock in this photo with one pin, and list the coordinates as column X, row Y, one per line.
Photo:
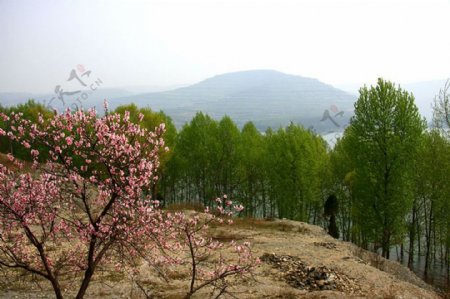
column 328, row 245
column 301, row 276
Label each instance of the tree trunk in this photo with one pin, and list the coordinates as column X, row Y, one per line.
column 428, row 243
column 419, row 246
column 56, row 288
column 385, row 244
column 264, row 200
column 84, row 285
column 412, row 234
column 402, row 253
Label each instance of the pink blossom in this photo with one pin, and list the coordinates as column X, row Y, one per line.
column 109, row 205
column 69, row 140
column 34, row 153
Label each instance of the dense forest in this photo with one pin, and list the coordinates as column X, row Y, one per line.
column 387, row 176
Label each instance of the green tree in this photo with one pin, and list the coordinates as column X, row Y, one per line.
column 342, row 174
column 228, row 157
column 295, row 160
column 252, row 171
column 441, row 108
column 432, row 193
column 385, row 133
column 197, row 150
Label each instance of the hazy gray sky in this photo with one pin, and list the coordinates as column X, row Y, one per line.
column 171, row 42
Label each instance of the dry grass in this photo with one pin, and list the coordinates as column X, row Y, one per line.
column 5, row 161
column 252, row 223
column 184, row 206
column 285, row 294
column 445, row 294
column 280, row 236
column 115, row 276
column 178, row 274
column 225, row 236
column 373, row 259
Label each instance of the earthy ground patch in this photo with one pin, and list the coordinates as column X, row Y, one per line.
column 299, row 261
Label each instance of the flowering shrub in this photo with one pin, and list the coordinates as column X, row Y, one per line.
column 192, row 239
column 85, row 201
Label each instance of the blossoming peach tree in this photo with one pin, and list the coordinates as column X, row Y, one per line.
column 84, row 202
column 194, row 247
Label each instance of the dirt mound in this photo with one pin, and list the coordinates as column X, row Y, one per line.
column 312, row 278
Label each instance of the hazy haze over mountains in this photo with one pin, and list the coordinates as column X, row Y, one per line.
column 167, row 42
column 266, row 97
column 142, row 50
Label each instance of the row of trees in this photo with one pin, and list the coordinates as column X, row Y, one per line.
column 391, row 176
column 280, row 173
column 275, row 174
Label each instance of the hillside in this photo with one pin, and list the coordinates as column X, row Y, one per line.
column 266, row 97
column 298, row 261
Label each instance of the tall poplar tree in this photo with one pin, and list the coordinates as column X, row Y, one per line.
column 385, row 133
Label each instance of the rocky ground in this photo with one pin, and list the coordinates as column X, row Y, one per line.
column 298, row 261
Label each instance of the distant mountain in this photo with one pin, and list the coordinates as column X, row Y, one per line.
column 14, row 98
column 266, row 97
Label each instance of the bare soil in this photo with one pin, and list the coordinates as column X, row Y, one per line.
column 298, row 261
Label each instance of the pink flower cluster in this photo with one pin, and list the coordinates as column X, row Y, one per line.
column 89, row 192
column 88, row 188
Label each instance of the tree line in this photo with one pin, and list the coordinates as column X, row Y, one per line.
column 388, row 173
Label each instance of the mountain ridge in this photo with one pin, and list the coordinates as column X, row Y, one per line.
column 268, row 98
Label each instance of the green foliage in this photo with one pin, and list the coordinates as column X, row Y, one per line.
column 341, row 181
column 432, row 191
column 196, row 155
column 229, row 156
column 383, row 138
column 252, row 171
column 441, row 108
column 31, row 111
column 276, row 174
column 294, row 167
